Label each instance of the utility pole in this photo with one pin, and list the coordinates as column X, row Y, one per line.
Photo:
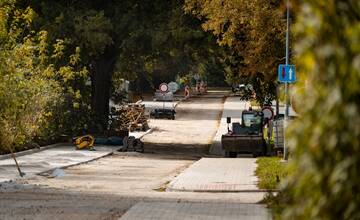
column 286, row 84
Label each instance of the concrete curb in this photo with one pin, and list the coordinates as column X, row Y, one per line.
column 31, row 151
column 62, row 167
column 170, row 189
column 36, row 150
column 215, row 148
column 75, row 164
column 147, row 132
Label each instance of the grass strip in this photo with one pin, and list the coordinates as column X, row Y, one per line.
column 270, row 171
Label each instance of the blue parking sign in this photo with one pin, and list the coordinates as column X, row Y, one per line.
column 287, row 73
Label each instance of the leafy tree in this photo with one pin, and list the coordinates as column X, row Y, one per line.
column 146, row 42
column 325, row 138
column 37, row 82
column 164, row 44
column 85, row 43
column 26, row 93
column 254, row 33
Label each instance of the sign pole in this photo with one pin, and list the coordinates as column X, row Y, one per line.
column 286, row 84
column 164, row 88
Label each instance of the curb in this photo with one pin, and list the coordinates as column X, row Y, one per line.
column 170, row 189
column 31, row 151
column 147, row 132
column 36, row 150
column 63, row 167
column 75, row 164
column 215, row 146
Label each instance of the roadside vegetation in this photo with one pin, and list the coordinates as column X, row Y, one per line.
column 61, row 62
column 324, row 140
column 270, row 172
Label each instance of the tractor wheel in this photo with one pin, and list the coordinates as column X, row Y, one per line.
column 227, row 154
column 230, row 154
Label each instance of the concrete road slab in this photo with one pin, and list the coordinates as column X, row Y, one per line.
column 195, row 124
column 199, row 211
column 61, row 156
column 218, row 175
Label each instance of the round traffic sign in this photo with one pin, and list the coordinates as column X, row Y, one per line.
column 173, row 87
column 268, row 112
column 197, row 76
column 163, row 88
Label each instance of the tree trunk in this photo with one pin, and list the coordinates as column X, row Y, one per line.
column 101, row 73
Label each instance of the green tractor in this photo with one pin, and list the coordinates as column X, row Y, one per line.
column 246, row 137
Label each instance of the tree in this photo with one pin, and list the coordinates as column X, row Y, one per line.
column 36, row 79
column 325, row 139
column 164, row 44
column 144, row 41
column 254, row 33
column 91, row 43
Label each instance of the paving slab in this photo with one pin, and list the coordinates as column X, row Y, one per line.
column 199, row 211
column 233, row 108
column 218, row 175
column 52, row 158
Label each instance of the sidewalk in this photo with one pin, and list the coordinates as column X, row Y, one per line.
column 232, row 108
column 199, row 211
column 58, row 157
column 218, row 175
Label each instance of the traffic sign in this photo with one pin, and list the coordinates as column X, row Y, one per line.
column 197, row 76
column 173, row 87
column 287, row 73
column 268, row 112
column 164, row 88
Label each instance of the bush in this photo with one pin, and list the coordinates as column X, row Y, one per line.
column 26, row 99
column 42, row 92
column 325, row 139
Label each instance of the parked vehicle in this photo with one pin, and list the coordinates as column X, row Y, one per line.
column 168, row 113
column 245, row 91
column 166, row 97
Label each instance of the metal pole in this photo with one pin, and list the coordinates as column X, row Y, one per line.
column 286, row 84
column 277, row 100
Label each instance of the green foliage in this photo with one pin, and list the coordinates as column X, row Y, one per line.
column 65, row 46
column 163, row 42
column 270, row 171
column 253, row 31
column 26, row 93
column 81, row 50
column 92, row 30
column 37, row 81
column 325, row 139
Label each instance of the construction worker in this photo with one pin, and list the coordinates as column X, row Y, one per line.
column 198, row 88
column 202, row 87
column 187, row 92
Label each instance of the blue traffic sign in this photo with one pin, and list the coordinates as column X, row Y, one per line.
column 287, row 73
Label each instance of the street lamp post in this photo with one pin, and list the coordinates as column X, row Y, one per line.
column 286, row 84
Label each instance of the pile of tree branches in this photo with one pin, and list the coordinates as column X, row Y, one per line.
column 129, row 117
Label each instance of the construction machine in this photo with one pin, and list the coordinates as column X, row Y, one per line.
column 245, row 137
